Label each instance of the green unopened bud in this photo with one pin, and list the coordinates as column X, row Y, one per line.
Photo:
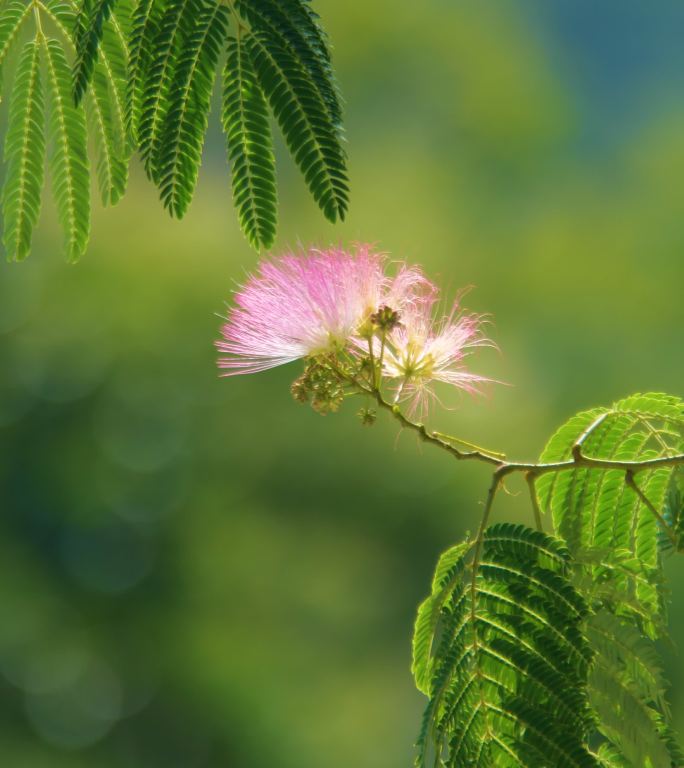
column 385, row 318
column 299, row 389
column 327, row 399
column 368, row 416
column 319, row 385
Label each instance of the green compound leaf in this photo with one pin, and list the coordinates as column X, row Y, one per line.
column 24, row 154
column 12, row 15
column 278, row 56
column 250, row 148
column 172, row 35
column 178, row 151
column 112, row 161
column 293, row 25
column 143, row 72
column 145, row 25
column 609, row 756
column 627, row 691
column 304, row 120
column 449, row 569
column 68, row 158
column 87, row 36
column 109, row 95
column 617, row 544
column 507, row 662
column 595, row 509
column 113, row 64
column 674, row 509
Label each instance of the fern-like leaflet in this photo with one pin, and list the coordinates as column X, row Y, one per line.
column 68, row 157
column 44, row 66
column 614, row 528
column 506, row 671
column 277, row 55
column 526, row 616
column 178, row 152
column 142, row 77
column 250, row 148
column 301, row 114
column 90, row 20
column 24, row 154
column 294, row 25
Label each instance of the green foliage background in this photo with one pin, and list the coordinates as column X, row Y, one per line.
column 199, row 572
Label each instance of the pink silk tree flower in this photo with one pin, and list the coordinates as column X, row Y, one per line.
column 301, row 305
column 423, row 350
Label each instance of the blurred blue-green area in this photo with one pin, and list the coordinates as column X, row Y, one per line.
column 198, row 572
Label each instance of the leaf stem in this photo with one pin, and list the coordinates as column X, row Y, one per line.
column 631, row 482
column 39, row 26
column 468, row 444
column 239, row 25
column 383, row 341
column 531, row 478
column 371, row 358
column 493, row 488
column 432, row 437
column 475, row 566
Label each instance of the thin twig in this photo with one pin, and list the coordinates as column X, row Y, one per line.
column 532, row 470
column 477, row 555
column 578, row 459
column 429, row 437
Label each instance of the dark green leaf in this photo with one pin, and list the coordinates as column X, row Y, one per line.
column 68, row 156
column 304, row 121
column 177, row 150
column 250, row 148
column 12, row 15
column 508, row 663
column 24, row 154
column 89, row 29
column 173, row 34
column 292, row 24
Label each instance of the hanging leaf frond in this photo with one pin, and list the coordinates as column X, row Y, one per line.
column 250, row 148
column 68, row 157
column 173, row 33
column 88, row 33
column 12, row 15
column 178, row 151
column 24, row 154
column 142, row 75
column 304, row 121
column 293, row 25
column 144, row 27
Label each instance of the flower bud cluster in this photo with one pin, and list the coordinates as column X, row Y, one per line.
column 320, row 386
column 367, row 416
column 386, row 319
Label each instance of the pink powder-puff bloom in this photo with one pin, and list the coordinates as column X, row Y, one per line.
column 423, row 350
column 300, row 305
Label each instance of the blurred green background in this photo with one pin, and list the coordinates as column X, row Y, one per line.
column 199, row 572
